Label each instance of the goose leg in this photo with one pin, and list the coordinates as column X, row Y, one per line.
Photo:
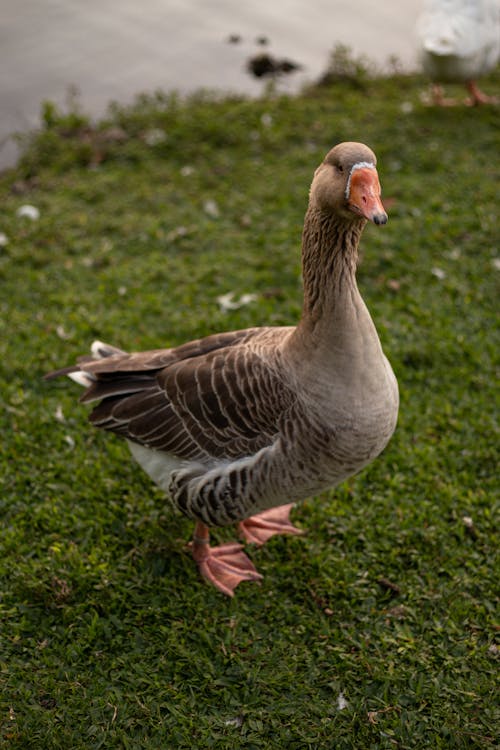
column 225, row 566
column 439, row 99
column 477, row 96
column 261, row 527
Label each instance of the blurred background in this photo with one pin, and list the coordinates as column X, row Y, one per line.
column 110, row 50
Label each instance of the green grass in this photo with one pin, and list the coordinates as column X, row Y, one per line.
column 108, row 637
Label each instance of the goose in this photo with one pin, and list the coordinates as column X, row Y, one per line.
column 238, row 426
column 459, row 41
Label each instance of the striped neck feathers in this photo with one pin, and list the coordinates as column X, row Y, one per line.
column 329, row 260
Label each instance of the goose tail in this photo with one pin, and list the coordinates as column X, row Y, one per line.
column 99, row 350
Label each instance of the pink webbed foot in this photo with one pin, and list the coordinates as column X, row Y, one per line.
column 225, row 566
column 439, row 99
column 477, row 96
column 261, row 527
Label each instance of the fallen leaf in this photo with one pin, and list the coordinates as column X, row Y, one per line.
column 236, row 722
column 177, row 232
column 438, row 273
column 154, row 136
column 29, row 212
column 62, row 333
column 59, row 414
column 384, row 583
column 394, row 284
column 398, row 612
column 227, row 301
column 211, row 208
column 469, row 526
column 341, row 702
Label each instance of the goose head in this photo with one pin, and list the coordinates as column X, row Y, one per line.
column 346, row 184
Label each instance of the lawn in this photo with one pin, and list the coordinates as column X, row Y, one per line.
column 374, row 630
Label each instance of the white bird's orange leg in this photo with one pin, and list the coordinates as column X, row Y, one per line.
column 439, row 99
column 477, row 96
column 261, row 527
column 225, row 566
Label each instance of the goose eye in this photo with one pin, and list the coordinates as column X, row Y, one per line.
column 340, row 167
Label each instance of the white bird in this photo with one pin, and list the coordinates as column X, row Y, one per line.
column 237, row 426
column 459, row 41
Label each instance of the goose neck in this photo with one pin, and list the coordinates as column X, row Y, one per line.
column 329, row 260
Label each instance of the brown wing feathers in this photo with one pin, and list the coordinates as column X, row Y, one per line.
column 156, row 359
column 207, row 398
column 118, row 384
column 217, row 420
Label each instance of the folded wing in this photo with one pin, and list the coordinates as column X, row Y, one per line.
column 212, row 398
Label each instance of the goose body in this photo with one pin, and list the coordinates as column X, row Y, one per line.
column 459, row 42
column 237, row 426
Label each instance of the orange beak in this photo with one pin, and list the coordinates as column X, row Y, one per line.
column 363, row 195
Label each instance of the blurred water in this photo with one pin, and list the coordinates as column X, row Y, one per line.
column 113, row 49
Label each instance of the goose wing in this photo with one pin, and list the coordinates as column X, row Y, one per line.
column 215, row 398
